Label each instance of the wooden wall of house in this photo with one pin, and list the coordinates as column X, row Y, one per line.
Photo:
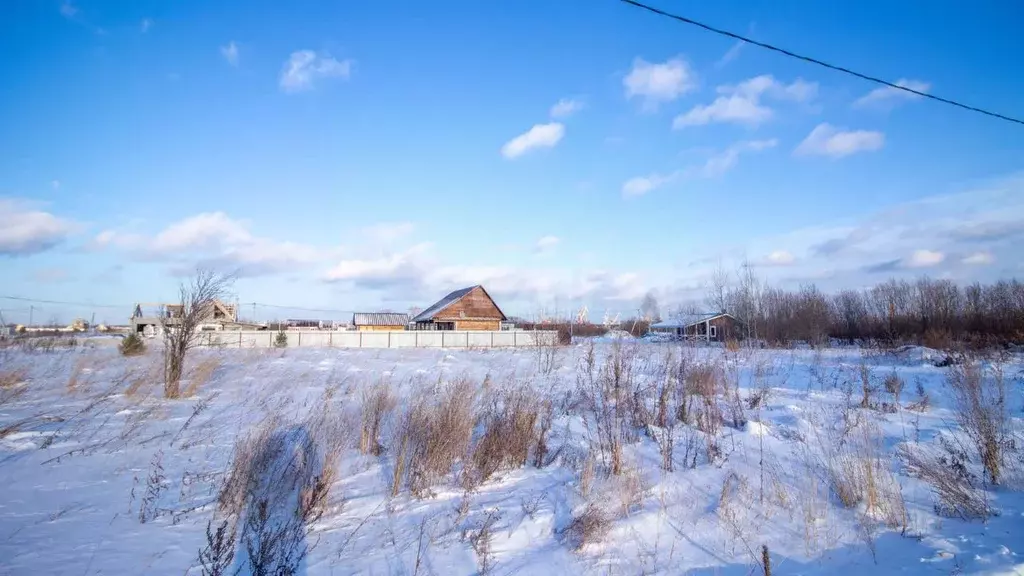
column 473, row 306
column 478, row 325
column 380, row 328
column 726, row 328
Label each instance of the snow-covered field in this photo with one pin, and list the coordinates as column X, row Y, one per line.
column 101, row 475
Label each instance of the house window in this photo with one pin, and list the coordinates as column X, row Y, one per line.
column 714, row 331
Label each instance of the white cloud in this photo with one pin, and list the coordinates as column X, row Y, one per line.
column 68, row 10
column 547, row 243
column 540, row 136
column 230, row 53
column 145, row 25
column 641, row 185
column 888, row 96
column 780, row 258
column 402, row 266
column 925, row 259
column 305, row 67
column 566, row 107
column 741, row 103
column 659, row 82
column 721, row 163
column 979, row 259
column 212, row 239
column 25, row 231
column 827, row 140
column 202, row 231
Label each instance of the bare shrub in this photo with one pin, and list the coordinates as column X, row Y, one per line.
column 377, row 405
column 434, row 435
column 589, row 526
column 181, row 333
column 867, row 387
column 979, row 401
column 132, row 345
column 605, row 392
column 546, row 418
column 481, row 541
column 278, row 485
column 923, row 401
column 894, row 386
column 509, row 432
column 860, row 473
column 150, row 506
column 215, row 558
column 951, row 482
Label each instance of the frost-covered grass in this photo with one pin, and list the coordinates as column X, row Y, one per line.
column 617, row 458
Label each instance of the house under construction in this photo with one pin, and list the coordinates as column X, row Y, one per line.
column 149, row 318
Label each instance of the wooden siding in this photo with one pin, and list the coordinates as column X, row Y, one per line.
column 478, row 325
column 726, row 327
column 380, row 328
column 473, row 306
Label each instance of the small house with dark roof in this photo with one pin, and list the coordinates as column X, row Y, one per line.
column 373, row 321
column 465, row 309
column 710, row 326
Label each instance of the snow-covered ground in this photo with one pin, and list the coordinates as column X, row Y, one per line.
column 101, row 475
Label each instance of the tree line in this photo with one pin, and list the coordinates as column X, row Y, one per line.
column 934, row 312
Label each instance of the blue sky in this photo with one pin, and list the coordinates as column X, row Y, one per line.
column 367, row 155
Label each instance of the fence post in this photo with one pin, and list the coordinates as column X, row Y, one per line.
column 360, row 338
column 239, row 339
column 330, row 339
column 416, row 339
column 389, row 339
column 467, row 338
column 492, row 338
column 515, row 339
column 300, row 340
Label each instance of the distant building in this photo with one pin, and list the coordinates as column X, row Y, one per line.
column 710, row 326
column 370, row 321
column 151, row 318
column 466, row 309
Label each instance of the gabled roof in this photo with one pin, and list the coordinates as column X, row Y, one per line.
column 380, row 319
column 435, row 309
column 687, row 320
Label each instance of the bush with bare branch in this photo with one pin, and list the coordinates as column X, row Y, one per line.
column 132, row 345
column 181, row 332
column 979, row 401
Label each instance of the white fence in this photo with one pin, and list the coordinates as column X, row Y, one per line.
column 382, row 339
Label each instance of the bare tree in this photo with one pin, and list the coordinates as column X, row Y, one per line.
column 649, row 307
column 718, row 289
column 180, row 327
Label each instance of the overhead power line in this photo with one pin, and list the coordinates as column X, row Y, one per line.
column 843, row 69
column 84, row 304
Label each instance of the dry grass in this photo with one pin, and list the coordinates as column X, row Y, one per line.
column 630, row 489
column 861, row 473
column 979, row 401
column 510, row 430
column 200, row 375
column 951, row 482
column 589, row 526
column 433, row 436
column 12, row 384
column 377, row 405
column 81, row 367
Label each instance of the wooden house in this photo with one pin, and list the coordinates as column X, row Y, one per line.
column 373, row 321
column 465, row 309
column 710, row 326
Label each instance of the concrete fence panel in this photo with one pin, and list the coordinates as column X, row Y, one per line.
column 391, row 339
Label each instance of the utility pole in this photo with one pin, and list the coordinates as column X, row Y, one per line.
column 31, row 309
